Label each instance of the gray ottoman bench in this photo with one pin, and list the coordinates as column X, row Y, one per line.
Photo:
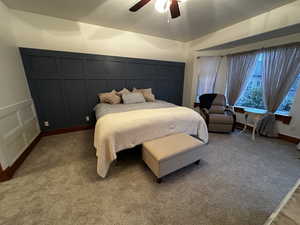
column 168, row 154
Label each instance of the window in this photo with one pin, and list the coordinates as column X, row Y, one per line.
column 253, row 94
column 288, row 101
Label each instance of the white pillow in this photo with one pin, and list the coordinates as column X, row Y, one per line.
column 132, row 98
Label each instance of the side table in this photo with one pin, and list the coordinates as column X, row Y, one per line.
column 255, row 117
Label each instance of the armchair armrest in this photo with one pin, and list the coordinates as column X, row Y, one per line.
column 205, row 114
column 230, row 112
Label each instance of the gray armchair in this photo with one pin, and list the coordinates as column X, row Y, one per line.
column 218, row 117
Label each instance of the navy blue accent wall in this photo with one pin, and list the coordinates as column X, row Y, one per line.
column 64, row 85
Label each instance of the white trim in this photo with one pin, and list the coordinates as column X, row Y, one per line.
column 4, row 111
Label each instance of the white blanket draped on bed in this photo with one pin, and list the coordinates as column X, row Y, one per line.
column 119, row 131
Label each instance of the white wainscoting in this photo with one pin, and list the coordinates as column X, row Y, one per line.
column 18, row 128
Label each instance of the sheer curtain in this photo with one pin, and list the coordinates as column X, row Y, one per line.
column 281, row 66
column 221, row 80
column 240, row 67
column 207, row 70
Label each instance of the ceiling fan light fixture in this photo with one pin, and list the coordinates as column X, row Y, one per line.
column 162, row 5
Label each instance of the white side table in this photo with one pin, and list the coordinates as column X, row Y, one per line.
column 252, row 117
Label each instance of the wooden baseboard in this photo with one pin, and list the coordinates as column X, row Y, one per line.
column 289, row 138
column 3, row 175
column 9, row 172
column 67, row 130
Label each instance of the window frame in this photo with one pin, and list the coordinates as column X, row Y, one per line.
column 278, row 112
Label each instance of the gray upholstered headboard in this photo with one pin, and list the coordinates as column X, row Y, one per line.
column 64, row 85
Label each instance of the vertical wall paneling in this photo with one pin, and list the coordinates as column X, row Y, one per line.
column 64, row 85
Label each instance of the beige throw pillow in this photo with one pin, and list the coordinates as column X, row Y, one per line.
column 123, row 91
column 147, row 93
column 110, row 97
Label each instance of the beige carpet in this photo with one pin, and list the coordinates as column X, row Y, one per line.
column 239, row 182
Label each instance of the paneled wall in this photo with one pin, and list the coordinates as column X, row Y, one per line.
column 18, row 123
column 65, row 85
column 18, row 128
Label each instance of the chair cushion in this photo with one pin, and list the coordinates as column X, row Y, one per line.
column 221, row 118
column 217, row 109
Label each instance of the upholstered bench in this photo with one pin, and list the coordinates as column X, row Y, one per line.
column 168, row 154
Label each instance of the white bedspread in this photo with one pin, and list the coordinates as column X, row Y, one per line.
column 119, row 131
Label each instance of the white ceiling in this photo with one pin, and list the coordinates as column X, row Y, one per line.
column 198, row 17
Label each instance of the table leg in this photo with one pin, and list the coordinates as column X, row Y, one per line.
column 253, row 133
column 245, row 125
column 244, row 129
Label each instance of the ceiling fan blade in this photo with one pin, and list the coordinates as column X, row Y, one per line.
column 139, row 5
column 174, row 8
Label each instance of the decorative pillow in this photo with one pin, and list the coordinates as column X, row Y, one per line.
column 133, row 98
column 149, row 97
column 123, row 91
column 147, row 93
column 110, row 97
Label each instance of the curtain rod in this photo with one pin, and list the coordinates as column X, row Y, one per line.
column 295, row 44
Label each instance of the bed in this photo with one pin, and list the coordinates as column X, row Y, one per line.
column 124, row 126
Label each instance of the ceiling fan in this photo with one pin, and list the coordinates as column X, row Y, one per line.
column 161, row 6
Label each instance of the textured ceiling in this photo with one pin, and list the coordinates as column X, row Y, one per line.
column 198, row 17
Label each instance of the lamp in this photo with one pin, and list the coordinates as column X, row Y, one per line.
column 162, row 5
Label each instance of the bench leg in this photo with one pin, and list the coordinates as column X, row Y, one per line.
column 158, row 180
column 197, row 162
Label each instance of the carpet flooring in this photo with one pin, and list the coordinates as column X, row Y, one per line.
column 238, row 182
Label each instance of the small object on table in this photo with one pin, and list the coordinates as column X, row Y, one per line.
column 255, row 116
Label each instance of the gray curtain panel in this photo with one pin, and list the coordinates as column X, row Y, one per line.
column 240, row 67
column 280, row 69
column 207, row 70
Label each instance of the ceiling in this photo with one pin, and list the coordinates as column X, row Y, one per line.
column 198, row 17
column 293, row 29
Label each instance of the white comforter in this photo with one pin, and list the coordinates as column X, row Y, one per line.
column 119, row 131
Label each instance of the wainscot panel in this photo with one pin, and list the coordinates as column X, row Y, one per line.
column 64, row 85
column 18, row 128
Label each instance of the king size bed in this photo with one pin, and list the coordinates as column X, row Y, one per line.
column 124, row 126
